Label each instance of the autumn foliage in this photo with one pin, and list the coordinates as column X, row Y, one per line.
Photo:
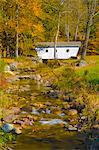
column 25, row 22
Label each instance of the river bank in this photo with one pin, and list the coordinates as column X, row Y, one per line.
column 36, row 100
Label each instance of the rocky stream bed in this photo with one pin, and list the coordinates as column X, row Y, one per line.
column 43, row 121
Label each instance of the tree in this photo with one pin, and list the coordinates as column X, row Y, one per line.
column 91, row 7
column 22, row 24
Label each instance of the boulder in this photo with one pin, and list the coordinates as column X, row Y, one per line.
column 15, row 110
column 13, row 66
column 18, row 130
column 7, row 68
column 8, row 127
column 82, row 63
column 10, row 117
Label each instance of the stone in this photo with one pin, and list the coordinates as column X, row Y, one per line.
column 39, row 105
column 72, row 112
column 18, row 129
column 71, row 128
column 7, row 68
column 35, row 111
column 82, row 63
column 27, row 109
column 38, row 77
column 56, row 110
column 13, row 66
column 20, row 122
column 83, row 117
column 15, row 110
column 96, row 126
column 48, row 111
column 10, row 117
column 15, row 78
column 66, row 105
column 62, row 115
column 52, row 122
column 48, row 103
column 52, row 94
column 8, row 127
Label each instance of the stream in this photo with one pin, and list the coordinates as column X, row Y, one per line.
column 47, row 137
column 67, row 141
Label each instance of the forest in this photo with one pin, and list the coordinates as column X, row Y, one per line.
column 53, row 104
column 24, row 23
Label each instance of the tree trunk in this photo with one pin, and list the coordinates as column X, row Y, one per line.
column 67, row 28
column 56, row 37
column 7, row 51
column 7, row 43
column 2, row 53
column 91, row 12
column 76, row 31
column 17, row 44
column 85, row 45
column 17, row 37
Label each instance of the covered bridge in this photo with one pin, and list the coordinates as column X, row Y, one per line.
column 63, row 50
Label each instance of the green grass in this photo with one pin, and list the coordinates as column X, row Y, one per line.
column 2, row 65
column 91, row 71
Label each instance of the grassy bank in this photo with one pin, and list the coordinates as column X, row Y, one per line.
column 80, row 82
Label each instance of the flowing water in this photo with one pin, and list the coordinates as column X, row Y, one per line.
column 53, row 138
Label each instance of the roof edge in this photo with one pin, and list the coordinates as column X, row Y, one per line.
column 48, row 44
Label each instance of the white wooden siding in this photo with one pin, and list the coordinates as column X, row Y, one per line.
column 61, row 52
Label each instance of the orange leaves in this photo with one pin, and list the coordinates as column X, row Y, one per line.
column 1, row 23
column 35, row 7
column 38, row 28
column 3, row 82
column 38, row 31
column 11, row 23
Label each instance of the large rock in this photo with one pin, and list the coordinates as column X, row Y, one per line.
column 13, row 66
column 82, row 63
column 18, row 130
column 8, row 127
column 7, row 68
column 10, row 117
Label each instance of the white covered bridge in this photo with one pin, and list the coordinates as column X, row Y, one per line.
column 63, row 50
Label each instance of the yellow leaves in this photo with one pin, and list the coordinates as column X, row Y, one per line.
column 38, row 31
column 38, row 28
column 1, row 23
column 11, row 23
column 35, row 7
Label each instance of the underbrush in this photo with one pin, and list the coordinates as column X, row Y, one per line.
column 4, row 138
column 82, row 88
column 2, row 65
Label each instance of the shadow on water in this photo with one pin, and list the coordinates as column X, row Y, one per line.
column 51, row 139
column 67, row 141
